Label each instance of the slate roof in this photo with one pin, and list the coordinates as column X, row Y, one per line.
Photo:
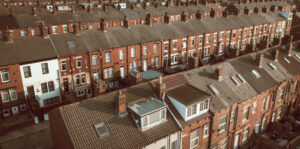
column 187, row 94
column 123, row 132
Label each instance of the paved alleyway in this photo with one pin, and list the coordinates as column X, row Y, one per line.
column 32, row 137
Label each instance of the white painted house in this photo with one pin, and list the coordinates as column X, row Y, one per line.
column 41, row 80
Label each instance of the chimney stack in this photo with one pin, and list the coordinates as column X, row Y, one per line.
column 44, row 30
column 225, row 14
column 125, row 22
column 54, row 10
column 9, row 35
column 167, row 18
column 157, row 5
column 148, row 19
column 246, row 11
column 12, row 12
column 90, row 9
column 73, row 9
column 259, row 60
column 161, row 87
column 104, row 8
column 198, row 14
column 219, row 74
column 212, row 13
column 77, row 29
column 34, row 11
column 120, row 102
column 275, row 55
column 183, row 16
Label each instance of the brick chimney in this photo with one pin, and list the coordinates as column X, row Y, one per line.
column 125, row 22
column 246, row 11
column 183, row 16
column 148, row 19
column 166, row 18
column 90, row 9
column 34, row 11
column 104, row 8
column 198, row 14
column 255, row 10
column 103, row 25
column 77, row 29
column 212, row 13
column 12, row 12
column 225, row 14
column 44, row 30
column 259, row 60
column 160, row 87
column 54, row 10
column 264, row 9
column 219, row 73
column 157, row 5
column 275, row 55
column 9, row 35
column 73, row 9
column 193, row 62
column 120, row 102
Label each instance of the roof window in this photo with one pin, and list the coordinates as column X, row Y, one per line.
column 101, row 129
column 287, row 60
column 235, row 80
column 273, row 66
column 241, row 78
column 214, row 89
column 256, row 74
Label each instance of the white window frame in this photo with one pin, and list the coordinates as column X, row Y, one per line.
column 4, row 72
column 174, row 56
column 175, row 47
column 108, row 72
column 206, row 131
column 121, row 54
column 196, row 139
column 107, row 57
column 61, row 65
column 94, row 59
column 132, row 52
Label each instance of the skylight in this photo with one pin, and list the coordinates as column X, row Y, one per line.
column 297, row 56
column 71, row 44
column 273, row 66
column 256, row 74
column 101, row 130
column 241, row 78
column 214, row 89
column 234, row 79
column 288, row 61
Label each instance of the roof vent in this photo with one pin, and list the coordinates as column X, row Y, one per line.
column 101, row 130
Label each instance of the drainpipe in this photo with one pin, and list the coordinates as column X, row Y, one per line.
column 211, row 130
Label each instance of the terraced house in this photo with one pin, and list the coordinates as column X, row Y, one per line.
column 214, row 106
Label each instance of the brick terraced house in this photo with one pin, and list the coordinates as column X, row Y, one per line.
column 215, row 106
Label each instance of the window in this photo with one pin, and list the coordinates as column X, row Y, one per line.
column 77, row 78
column 23, row 107
column 27, row 72
column 65, row 28
column 80, row 93
column 246, row 114
column 45, row 69
column 108, row 72
column 4, row 75
column 273, row 116
column 222, row 123
column 121, row 52
column 233, row 33
column 279, row 113
column 163, row 114
column 133, row 66
column 264, row 122
column 264, row 103
column 145, row 50
column 254, row 107
column 63, row 66
column 155, row 61
column 83, row 79
column 9, row 95
column 174, row 44
column 192, row 41
column 144, row 121
column 153, row 118
column 95, row 59
column 78, row 63
column 215, row 37
column 200, row 39
column 44, row 87
column 107, row 57
column 91, row 26
column 281, row 94
column 54, row 29
column 224, row 143
column 166, row 46
column 207, row 38
column 174, row 145
column 194, row 138
column 245, row 135
column 191, row 110
column 220, row 50
column 257, row 126
column 206, row 51
column 255, row 73
column 6, row 112
column 255, row 29
column 221, row 35
column 155, row 48
column 214, row 89
column 51, row 86
column 295, row 87
column 23, row 33
column 232, row 115
column 228, row 35
column 174, row 58
column 206, row 130
column 101, row 130
column 184, row 43
column 132, row 52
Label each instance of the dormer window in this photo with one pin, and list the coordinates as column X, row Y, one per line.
column 148, row 112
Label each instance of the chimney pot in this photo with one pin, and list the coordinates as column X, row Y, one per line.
column 219, row 74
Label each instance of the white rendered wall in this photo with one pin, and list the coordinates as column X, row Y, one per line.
column 182, row 109
column 37, row 78
column 166, row 141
